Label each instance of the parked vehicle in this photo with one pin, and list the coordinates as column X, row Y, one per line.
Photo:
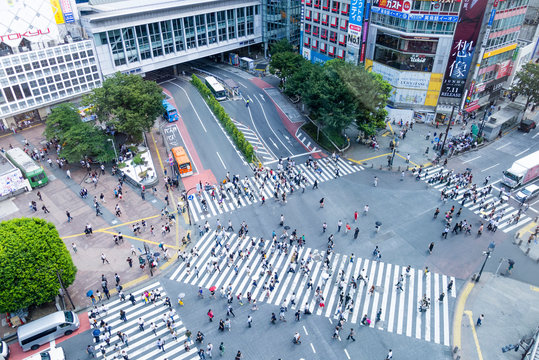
column 527, row 125
column 522, row 171
column 4, row 350
column 50, row 327
column 527, row 193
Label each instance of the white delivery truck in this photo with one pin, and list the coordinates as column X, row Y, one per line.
column 522, row 171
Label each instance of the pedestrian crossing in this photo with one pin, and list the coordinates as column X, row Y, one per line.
column 505, row 223
column 326, row 171
column 262, row 152
column 400, row 308
column 142, row 344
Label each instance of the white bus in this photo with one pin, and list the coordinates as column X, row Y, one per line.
column 216, row 88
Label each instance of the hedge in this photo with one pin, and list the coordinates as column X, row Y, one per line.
column 245, row 147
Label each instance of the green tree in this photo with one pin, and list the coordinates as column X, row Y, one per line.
column 527, row 83
column 79, row 139
column 280, row 47
column 128, row 102
column 31, row 254
column 285, row 64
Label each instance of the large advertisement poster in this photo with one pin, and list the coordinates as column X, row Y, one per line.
column 462, row 49
column 355, row 23
column 397, row 5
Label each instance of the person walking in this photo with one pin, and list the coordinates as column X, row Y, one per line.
column 339, row 226
column 74, row 246
column 389, row 355
column 480, row 320
column 222, row 349
column 161, row 344
column 104, row 258
column 210, row 315
column 351, row 335
column 90, row 350
column 141, row 324
column 356, row 233
column 322, row 202
column 431, row 247
column 249, row 320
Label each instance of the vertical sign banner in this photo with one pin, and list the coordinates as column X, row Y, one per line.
column 302, row 26
column 68, row 12
column 355, row 24
column 462, row 49
column 57, row 10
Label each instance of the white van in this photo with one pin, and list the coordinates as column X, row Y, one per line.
column 527, row 193
column 54, row 353
column 48, row 328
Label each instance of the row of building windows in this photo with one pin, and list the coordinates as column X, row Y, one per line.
column 325, row 48
column 333, row 6
column 332, row 21
column 496, row 59
column 144, row 42
column 53, row 96
column 413, row 26
column 510, row 4
column 449, row 7
column 503, row 40
column 57, row 51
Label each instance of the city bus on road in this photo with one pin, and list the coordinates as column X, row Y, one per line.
column 170, row 114
column 216, row 88
column 30, row 170
column 182, row 161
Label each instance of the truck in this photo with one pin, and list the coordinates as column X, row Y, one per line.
column 522, row 171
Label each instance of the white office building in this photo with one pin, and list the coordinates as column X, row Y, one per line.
column 44, row 59
column 138, row 36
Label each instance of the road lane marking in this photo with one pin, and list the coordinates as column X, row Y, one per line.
column 346, row 353
column 304, row 329
column 522, row 152
column 475, row 158
column 493, row 166
column 267, row 121
column 273, row 142
column 312, row 347
column 192, row 106
column 533, row 137
column 262, row 96
column 222, row 162
column 472, row 326
column 501, row 147
column 457, row 323
column 295, row 156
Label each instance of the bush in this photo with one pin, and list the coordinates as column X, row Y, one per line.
column 122, row 165
column 237, row 136
column 138, row 160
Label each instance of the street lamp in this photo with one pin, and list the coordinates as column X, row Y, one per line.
column 113, row 148
column 487, row 253
column 187, row 204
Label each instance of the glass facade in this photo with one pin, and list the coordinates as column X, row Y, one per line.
column 39, row 77
column 142, row 42
column 282, row 20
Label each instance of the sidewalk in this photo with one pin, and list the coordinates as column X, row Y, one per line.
column 62, row 194
column 510, row 311
column 414, row 143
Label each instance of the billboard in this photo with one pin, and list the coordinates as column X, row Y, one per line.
column 355, row 23
column 418, row 17
column 462, row 48
column 26, row 19
column 397, row 5
column 68, row 11
column 402, row 79
column 57, row 10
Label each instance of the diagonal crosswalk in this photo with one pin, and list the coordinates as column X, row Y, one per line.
column 506, row 222
column 261, row 150
column 326, row 171
column 400, row 311
column 142, row 344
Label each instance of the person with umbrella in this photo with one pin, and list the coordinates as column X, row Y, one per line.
column 322, row 202
column 95, row 333
column 378, row 226
column 212, row 291
column 180, row 298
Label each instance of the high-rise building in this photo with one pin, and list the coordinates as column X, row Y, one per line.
column 44, row 59
column 281, row 20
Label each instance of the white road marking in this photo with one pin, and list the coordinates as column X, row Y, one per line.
column 501, row 147
column 533, row 137
column 346, row 353
column 273, row 142
column 262, row 96
column 522, row 152
column 493, row 166
column 267, row 121
column 304, row 329
column 222, row 162
column 192, row 106
column 475, row 158
column 312, row 347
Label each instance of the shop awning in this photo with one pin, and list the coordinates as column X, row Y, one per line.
column 472, row 108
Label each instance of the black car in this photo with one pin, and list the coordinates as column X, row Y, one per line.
column 527, row 125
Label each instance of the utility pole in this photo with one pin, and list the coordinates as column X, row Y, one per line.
column 64, row 289
column 487, row 253
column 447, row 130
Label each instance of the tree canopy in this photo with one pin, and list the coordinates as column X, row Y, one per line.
column 337, row 93
column 31, row 253
column 79, row 139
column 527, row 83
column 127, row 102
column 281, row 46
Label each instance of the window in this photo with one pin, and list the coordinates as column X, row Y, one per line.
column 38, row 336
column 18, row 92
column 241, row 22
column 317, row 4
column 345, row 8
column 332, row 50
column 221, row 25
column 166, row 33
column 308, row 28
column 315, row 44
column 308, row 14
column 334, row 20
column 212, row 28
column 155, row 39
column 325, row 18
column 307, row 43
column 179, row 40
column 335, row 7
column 130, row 41
column 342, row 39
column 344, row 24
column 116, row 47
column 333, row 36
column 189, row 26
column 315, row 31
column 316, row 17
column 340, row 54
column 230, row 16
column 324, row 34
column 201, row 29
column 323, row 47
column 325, row 4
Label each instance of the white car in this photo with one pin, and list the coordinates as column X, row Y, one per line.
column 527, row 193
column 53, row 353
column 4, row 350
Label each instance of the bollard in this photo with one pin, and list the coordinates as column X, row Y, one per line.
column 455, row 349
column 519, row 242
column 527, row 251
column 399, row 169
column 372, row 166
column 380, row 167
column 517, row 235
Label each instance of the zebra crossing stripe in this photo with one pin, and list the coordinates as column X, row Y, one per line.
column 386, row 292
column 392, row 307
column 419, row 297
column 445, row 312
column 436, row 310
column 411, row 305
column 427, row 312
